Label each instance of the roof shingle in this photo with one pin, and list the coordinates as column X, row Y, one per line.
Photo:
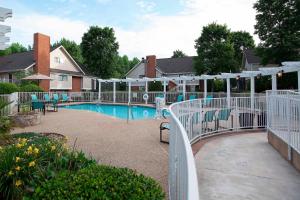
column 176, row 65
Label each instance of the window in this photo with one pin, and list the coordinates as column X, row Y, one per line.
column 63, row 77
column 58, row 60
column 141, row 76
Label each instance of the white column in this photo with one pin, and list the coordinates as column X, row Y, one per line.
column 99, row 91
column 146, row 91
column 184, row 89
column 252, row 90
column 129, row 92
column 165, row 91
column 114, row 92
column 205, row 88
column 274, row 82
column 228, row 91
column 298, row 81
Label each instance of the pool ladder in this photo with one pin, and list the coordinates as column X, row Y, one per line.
column 129, row 111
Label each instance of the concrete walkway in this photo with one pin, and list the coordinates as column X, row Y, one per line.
column 245, row 167
column 111, row 141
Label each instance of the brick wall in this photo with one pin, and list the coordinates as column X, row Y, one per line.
column 42, row 58
column 150, row 66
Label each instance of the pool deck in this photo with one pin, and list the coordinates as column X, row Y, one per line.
column 111, row 141
column 245, row 166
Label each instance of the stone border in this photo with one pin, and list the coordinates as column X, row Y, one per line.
column 283, row 149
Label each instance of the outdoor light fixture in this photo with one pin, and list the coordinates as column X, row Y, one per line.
column 279, row 74
column 238, row 77
column 258, row 76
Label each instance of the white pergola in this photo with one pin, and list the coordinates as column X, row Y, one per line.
column 286, row 67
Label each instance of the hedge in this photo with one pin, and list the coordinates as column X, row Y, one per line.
column 31, row 88
column 100, row 182
column 8, row 88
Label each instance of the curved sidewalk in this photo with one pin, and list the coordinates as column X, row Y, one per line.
column 245, row 166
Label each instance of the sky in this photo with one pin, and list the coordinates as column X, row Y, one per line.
column 142, row 27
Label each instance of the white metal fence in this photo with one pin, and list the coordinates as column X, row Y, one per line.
column 196, row 119
column 284, row 116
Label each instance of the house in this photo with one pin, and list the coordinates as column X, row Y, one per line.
column 167, row 67
column 56, row 62
column 251, row 62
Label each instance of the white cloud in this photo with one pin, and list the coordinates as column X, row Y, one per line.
column 164, row 34
column 23, row 28
column 156, row 34
column 146, row 6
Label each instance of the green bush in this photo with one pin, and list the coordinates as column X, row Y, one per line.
column 155, row 86
column 8, row 88
column 31, row 88
column 100, row 182
column 33, row 159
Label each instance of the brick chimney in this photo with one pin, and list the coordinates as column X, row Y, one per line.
column 42, row 58
column 150, row 65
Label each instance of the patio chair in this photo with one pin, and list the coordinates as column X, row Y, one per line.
column 223, row 115
column 209, row 116
column 192, row 97
column 65, row 98
column 179, row 98
column 55, row 102
column 48, row 101
column 36, row 104
column 207, row 100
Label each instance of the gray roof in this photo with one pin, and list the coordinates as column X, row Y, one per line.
column 176, row 65
column 251, row 57
column 16, row 61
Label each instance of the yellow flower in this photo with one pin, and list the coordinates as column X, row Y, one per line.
column 29, row 150
column 18, row 159
column 10, row 173
column 19, row 145
column 36, row 150
column 23, row 141
column 31, row 164
column 53, row 148
column 18, row 168
column 18, row 183
column 58, row 154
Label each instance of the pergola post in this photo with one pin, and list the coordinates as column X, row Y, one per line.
column 114, row 92
column 146, row 91
column 299, row 81
column 274, row 82
column 228, row 91
column 184, row 89
column 129, row 92
column 99, row 90
column 205, row 88
column 165, row 90
column 252, row 90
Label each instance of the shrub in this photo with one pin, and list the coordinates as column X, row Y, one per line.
column 31, row 88
column 100, row 182
column 8, row 88
column 155, row 86
column 33, row 159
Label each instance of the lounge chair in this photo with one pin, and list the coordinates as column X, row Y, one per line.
column 55, row 102
column 192, row 97
column 209, row 116
column 65, row 98
column 36, row 104
column 224, row 115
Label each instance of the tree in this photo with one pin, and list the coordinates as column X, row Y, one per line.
column 13, row 48
column 72, row 48
column 278, row 27
column 99, row 49
column 241, row 39
column 123, row 65
column 215, row 51
column 178, row 54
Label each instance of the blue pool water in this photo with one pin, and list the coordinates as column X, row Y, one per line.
column 119, row 111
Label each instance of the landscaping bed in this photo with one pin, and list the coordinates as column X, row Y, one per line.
column 41, row 166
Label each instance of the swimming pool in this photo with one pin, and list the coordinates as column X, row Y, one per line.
column 118, row 111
